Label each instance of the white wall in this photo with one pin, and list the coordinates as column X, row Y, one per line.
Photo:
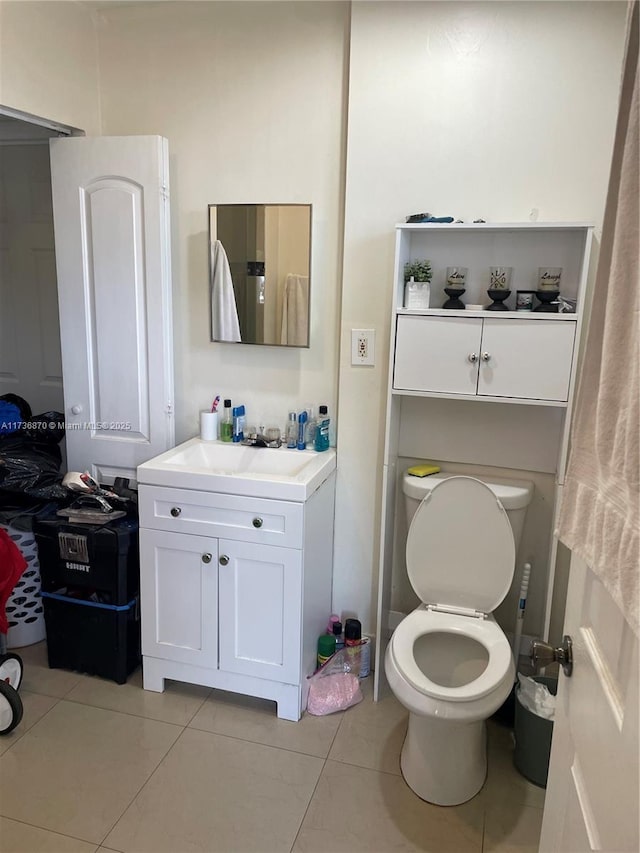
column 469, row 109
column 48, row 62
column 251, row 98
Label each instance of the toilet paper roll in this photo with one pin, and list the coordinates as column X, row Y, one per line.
column 209, row 426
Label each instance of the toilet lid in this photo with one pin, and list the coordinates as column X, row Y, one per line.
column 460, row 547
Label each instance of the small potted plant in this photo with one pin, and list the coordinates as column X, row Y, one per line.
column 417, row 277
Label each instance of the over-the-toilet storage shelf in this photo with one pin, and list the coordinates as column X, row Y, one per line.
column 510, row 406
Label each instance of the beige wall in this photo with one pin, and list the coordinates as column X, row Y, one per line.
column 469, row 109
column 49, row 62
column 251, row 98
column 474, row 109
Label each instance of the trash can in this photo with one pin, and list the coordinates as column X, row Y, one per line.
column 533, row 738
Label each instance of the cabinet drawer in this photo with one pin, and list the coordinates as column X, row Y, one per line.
column 256, row 520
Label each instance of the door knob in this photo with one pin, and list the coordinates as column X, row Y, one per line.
column 257, row 522
column 473, row 357
column 542, row 654
column 175, row 511
column 486, row 356
column 206, row 558
column 224, row 560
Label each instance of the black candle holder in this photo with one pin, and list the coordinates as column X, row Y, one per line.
column 498, row 296
column 454, row 302
column 546, row 297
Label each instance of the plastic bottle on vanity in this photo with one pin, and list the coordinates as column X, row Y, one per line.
column 302, row 431
column 311, row 427
column 226, row 426
column 337, row 633
column 292, row 431
column 238, row 423
column 322, row 430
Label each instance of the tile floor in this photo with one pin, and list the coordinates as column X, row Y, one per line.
column 97, row 766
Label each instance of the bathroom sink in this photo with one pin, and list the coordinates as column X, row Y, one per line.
column 234, row 469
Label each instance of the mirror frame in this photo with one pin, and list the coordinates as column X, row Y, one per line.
column 307, row 206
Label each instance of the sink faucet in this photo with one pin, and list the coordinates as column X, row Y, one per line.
column 257, row 439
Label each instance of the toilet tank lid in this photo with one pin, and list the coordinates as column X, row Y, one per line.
column 512, row 494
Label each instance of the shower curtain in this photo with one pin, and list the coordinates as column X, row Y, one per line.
column 600, row 513
column 295, row 311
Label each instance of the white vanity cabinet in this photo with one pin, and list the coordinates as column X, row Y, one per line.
column 235, row 590
column 481, row 391
column 523, row 358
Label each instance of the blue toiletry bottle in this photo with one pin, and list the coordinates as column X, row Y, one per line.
column 322, row 429
column 238, row 423
column 302, row 429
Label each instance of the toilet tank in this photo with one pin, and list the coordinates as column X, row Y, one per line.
column 514, row 495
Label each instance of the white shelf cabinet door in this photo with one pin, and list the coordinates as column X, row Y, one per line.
column 260, row 605
column 437, row 354
column 526, row 359
column 179, row 596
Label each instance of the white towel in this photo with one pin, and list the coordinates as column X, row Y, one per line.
column 295, row 311
column 224, row 313
column 600, row 513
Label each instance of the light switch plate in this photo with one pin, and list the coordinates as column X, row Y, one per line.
column 363, row 347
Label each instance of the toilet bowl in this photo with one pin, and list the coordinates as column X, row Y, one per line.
column 449, row 662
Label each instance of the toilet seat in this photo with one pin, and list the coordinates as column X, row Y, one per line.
column 484, row 631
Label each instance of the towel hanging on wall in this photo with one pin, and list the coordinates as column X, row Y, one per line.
column 224, row 313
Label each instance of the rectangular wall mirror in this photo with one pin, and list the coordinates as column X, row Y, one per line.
column 259, row 273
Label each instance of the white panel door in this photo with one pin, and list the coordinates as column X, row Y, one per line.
column 260, row 591
column 30, row 362
column 592, row 791
column 111, row 217
column 526, row 358
column 437, row 354
column 179, row 596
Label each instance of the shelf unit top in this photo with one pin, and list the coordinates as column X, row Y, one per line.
column 493, row 226
column 491, row 315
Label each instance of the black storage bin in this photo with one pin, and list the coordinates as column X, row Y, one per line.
column 100, row 558
column 87, row 636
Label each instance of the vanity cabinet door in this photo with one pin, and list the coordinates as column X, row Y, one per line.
column 526, row 358
column 179, row 597
column 437, row 354
column 260, row 604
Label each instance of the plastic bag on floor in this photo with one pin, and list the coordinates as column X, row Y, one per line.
column 335, row 686
column 535, row 697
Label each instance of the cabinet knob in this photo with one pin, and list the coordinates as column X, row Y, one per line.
column 473, row 357
column 175, row 511
column 486, row 356
column 206, row 558
column 224, row 560
column 257, row 522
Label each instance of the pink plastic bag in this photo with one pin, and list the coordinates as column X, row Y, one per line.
column 335, row 687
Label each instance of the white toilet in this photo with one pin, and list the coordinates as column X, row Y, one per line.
column 448, row 662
